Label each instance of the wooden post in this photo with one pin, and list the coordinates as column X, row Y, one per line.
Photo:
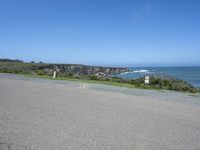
column 146, row 80
column 54, row 74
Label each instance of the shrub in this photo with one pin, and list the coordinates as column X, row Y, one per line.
column 168, row 84
column 93, row 77
column 70, row 74
column 40, row 72
column 136, row 82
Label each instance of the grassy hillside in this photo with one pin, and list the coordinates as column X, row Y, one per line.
column 20, row 67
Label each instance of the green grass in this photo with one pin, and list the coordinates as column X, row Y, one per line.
column 81, row 80
column 19, row 67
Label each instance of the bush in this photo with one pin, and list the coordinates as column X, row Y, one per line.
column 167, row 84
column 136, row 82
column 93, row 77
column 40, row 72
column 70, row 74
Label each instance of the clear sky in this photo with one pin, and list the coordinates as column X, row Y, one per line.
column 102, row 32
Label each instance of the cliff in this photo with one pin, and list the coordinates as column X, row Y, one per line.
column 82, row 69
column 17, row 66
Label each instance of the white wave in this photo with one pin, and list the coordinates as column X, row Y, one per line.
column 141, row 71
column 127, row 72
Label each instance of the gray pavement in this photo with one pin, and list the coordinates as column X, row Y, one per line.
column 43, row 114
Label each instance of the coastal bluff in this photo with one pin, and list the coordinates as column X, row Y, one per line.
column 18, row 66
column 82, row 69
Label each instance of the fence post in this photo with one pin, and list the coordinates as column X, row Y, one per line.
column 146, row 80
column 54, row 74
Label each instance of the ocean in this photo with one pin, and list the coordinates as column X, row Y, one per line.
column 188, row 74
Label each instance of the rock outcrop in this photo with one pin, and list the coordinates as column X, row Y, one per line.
column 82, row 69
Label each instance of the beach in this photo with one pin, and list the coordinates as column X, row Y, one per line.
column 47, row 114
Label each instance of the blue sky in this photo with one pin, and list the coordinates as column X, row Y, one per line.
column 102, row 32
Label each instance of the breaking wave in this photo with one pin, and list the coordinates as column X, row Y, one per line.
column 142, row 71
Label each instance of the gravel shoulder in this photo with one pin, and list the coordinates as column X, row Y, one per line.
column 49, row 114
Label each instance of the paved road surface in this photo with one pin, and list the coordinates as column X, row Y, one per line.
column 53, row 115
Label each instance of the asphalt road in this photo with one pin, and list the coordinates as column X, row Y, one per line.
column 51, row 115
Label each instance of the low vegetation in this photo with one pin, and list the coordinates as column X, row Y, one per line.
column 167, row 84
column 21, row 68
column 36, row 70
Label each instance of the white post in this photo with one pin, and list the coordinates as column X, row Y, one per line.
column 54, row 74
column 146, row 81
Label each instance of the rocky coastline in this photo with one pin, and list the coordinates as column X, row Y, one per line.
column 18, row 66
column 83, row 69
